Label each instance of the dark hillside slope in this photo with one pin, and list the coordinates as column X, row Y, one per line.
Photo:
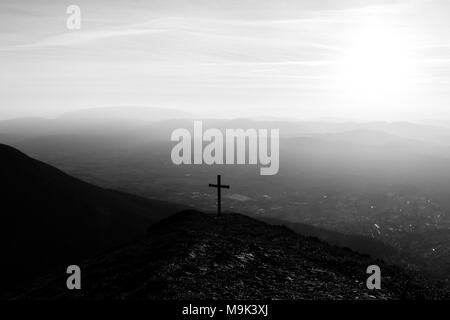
column 358, row 243
column 193, row 255
column 50, row 218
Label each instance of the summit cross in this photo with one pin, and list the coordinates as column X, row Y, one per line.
column 219, row 187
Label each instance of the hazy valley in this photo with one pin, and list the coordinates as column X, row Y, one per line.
column 387, row 182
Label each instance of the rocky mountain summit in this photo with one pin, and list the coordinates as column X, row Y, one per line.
column 194, row 255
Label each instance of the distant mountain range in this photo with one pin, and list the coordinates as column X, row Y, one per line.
column 123, row 113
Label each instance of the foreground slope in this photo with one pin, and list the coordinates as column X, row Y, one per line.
column 49, row 218
column 193, row 255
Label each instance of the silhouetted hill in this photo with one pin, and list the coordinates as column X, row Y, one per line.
column 49, row 218
column 358, row 243
column 193, row 255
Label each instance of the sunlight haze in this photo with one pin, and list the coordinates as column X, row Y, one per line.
column 362, row 60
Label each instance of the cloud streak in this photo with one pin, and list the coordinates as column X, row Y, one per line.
column 203, row 54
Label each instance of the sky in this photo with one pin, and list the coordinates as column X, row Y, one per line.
column 347, row 59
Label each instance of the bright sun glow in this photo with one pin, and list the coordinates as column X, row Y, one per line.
column 378, row 63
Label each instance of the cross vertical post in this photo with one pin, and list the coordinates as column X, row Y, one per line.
column 219, row 186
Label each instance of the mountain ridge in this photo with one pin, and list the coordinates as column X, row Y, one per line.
column 53, row 220
column 50, row 218
column 195, row 255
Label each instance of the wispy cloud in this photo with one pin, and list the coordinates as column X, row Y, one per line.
column 83, row 38
column 205, row 53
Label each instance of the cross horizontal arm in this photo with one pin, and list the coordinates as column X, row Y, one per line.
column 221, row 186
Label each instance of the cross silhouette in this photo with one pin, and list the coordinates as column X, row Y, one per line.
column 219, row 194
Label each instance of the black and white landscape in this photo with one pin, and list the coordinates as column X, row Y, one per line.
column 357, row 89
column 372, row 187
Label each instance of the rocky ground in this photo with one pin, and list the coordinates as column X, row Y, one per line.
column 194, row 255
